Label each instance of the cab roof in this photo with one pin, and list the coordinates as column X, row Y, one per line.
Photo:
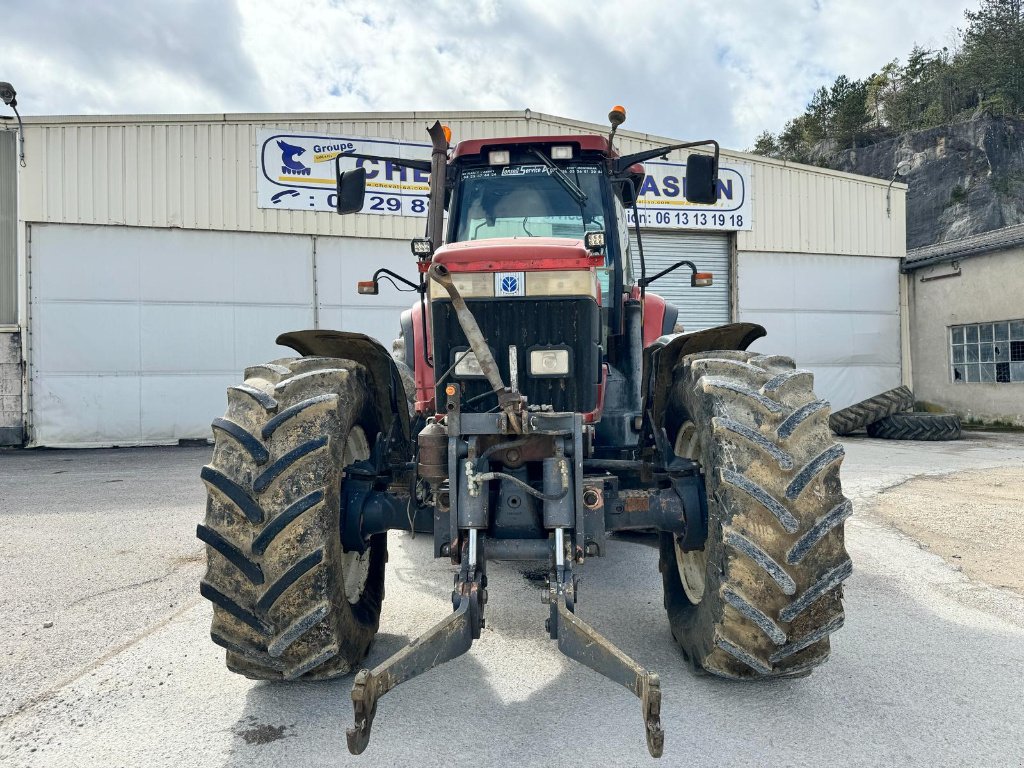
column 585, row 141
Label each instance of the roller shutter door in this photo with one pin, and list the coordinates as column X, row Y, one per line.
column 699, row 308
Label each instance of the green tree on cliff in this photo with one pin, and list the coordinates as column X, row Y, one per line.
column 984, row 71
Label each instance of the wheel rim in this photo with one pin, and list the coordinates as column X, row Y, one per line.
column 690, row 566
column 355, row 566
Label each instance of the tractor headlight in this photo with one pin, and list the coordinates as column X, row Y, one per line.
column 469, row 285
column 467, row 367
column 554, row 282
column 549, row 362
column 575, row 282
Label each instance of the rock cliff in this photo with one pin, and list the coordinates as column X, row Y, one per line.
column 964, row 178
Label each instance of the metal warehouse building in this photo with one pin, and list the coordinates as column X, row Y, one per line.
column 146, row 260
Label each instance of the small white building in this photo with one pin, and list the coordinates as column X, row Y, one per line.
column 150, row 258
column 966, row 310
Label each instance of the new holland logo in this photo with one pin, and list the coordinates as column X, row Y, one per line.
column 509, row 284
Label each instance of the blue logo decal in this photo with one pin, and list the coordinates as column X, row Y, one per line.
column 509, row 284
column 287, row 193
column 290, row 164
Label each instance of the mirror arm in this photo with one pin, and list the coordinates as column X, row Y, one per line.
column 645, row 281
column 642, row 283
column 622, row 163
column 415, row 165
column 420, row 288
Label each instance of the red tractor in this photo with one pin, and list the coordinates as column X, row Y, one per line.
column 536, row 401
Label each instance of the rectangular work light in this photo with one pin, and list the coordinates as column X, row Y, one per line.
column 422, row 247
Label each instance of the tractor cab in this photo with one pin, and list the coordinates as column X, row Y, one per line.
column 544, row 187
column 538, row 247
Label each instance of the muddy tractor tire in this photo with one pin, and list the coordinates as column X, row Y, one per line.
column 917, row 426
column 763, row 596
column 288, row 601
column 403, row 361
column 860, row 415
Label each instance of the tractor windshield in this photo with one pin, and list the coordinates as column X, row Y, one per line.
column 527, row 201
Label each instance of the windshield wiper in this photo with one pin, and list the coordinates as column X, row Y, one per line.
column 562, row 178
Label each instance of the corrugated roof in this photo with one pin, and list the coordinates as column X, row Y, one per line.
column 965, row 247
column 443, row 115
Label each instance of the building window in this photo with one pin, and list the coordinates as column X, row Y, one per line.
column 989, row 353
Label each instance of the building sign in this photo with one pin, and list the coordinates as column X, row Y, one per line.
column 295, row 171
column 662, row 204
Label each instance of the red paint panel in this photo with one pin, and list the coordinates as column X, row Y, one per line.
column 654, row 315
column 515, row 254
column 423, row 374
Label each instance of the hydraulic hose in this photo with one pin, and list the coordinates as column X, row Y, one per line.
column 522, row 484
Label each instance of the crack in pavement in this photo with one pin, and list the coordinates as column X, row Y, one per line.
column 54, row 689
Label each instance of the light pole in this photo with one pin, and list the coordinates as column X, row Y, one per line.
column 901, row 170
column 10, row 98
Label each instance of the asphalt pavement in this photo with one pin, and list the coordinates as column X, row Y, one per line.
column 105, row 658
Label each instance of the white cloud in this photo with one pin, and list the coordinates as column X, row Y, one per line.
column 113, row 56
column 683, row 68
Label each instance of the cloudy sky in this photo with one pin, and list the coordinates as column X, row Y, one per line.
column 683, row 68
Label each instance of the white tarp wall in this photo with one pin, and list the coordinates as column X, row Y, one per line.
column 837, row 316
column 136, row 332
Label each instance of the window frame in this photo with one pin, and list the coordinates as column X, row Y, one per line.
column 983, row 348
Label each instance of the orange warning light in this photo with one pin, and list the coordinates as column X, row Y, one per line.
column 450, row 390
column 447, row 133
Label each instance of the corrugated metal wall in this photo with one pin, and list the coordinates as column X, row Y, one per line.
column 199, row 172
column 8, row 229
column 807, row 210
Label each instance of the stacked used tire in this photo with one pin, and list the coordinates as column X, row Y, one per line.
column 890, row 415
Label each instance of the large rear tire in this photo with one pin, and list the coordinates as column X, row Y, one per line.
column 860, row 415
column 288, row 601
column 763, row 596
column 917, row 426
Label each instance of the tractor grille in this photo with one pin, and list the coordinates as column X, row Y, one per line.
column 527, row 322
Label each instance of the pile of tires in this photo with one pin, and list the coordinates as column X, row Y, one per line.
column 890, row 415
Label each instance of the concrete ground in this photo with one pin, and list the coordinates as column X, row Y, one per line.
column 105, row 658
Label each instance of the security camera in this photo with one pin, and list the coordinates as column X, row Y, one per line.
column 8, row 94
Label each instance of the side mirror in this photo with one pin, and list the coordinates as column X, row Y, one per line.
column 351, row 187
column 635, row 174
column 701, row 179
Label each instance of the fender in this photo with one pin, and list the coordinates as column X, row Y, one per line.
column 423, row 375
column 659, row 316
column 388, row 390
column 661, row 357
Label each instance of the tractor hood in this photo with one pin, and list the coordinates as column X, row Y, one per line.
column 517, row 253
